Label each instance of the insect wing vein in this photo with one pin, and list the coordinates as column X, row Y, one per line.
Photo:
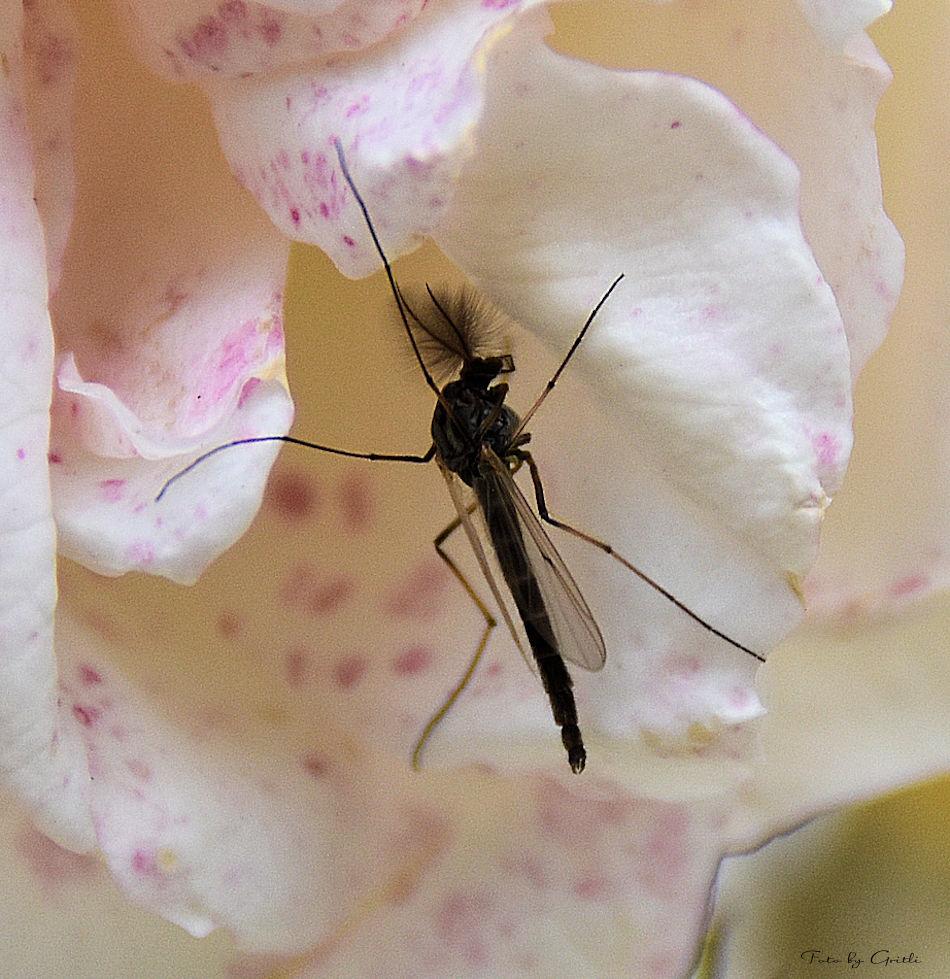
column 577, row 632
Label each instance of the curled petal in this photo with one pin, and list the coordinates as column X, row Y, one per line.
column 169, row 328
column 404, row 117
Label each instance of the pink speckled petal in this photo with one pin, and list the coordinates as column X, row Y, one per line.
column 822, row 116
column 40, row 757
column 404, row 116
column 565, row 880
column 213, row 814
column 169, row 329
column 234, row 38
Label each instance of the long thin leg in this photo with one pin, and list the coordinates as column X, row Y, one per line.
column 490, row 624
column 607, row 549
column 373, row 456
column 549, row 387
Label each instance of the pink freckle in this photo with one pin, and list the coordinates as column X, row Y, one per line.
column 55, row 458
column 143, row 862
column 826, row 448
column 494, row 669
column 348, row 672
column 412, row 661
column 21, row 453
column 738, row 697
column 88, row 676
column 909, row 584
column 316, row 764
column 291, row 494
column 229, row 624
column 307, row 591
column 419, row 596
column 355, row 499
column 348, row 241
column 591, row 888
column 270, row 31
column 460, row 924
column 324, row 209
column 675, row 124
column 87, row 716
column 139, row 769
column 664, row 858
column 112, row 490
column 250, row 386
column 295, row 215
column 296, row 666
column 233, row 10
column 140, row 554
column 74, row 408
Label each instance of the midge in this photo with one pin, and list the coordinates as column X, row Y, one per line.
column 478, row 440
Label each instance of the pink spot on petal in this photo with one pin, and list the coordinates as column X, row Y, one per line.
column 291, row 494
column 140, row 554
column 591, row 888
column 21, row 453
column 296, row 666
column 420, row 594
column 143, row 862
column 305, row 590
column 89, row 676
column 461, row 923
column 826, row 448
column 87, row 716
column 112, row 490
column 412, row 662
column 909, row 584
column 139, row 769
column 316, row 764
column 229, row 624
column 349, row 671
column 355, row 499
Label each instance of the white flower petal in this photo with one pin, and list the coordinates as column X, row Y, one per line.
column 840, row 20
column 822, row 116
column 40, row 756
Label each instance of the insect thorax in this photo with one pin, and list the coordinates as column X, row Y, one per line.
column 471, row 415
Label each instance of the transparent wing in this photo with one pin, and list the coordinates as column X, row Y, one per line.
column 472, row 533
column 577, row 632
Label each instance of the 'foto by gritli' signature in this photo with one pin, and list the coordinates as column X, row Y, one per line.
column 854, row 960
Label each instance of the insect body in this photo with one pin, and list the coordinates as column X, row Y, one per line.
column 479, row 438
